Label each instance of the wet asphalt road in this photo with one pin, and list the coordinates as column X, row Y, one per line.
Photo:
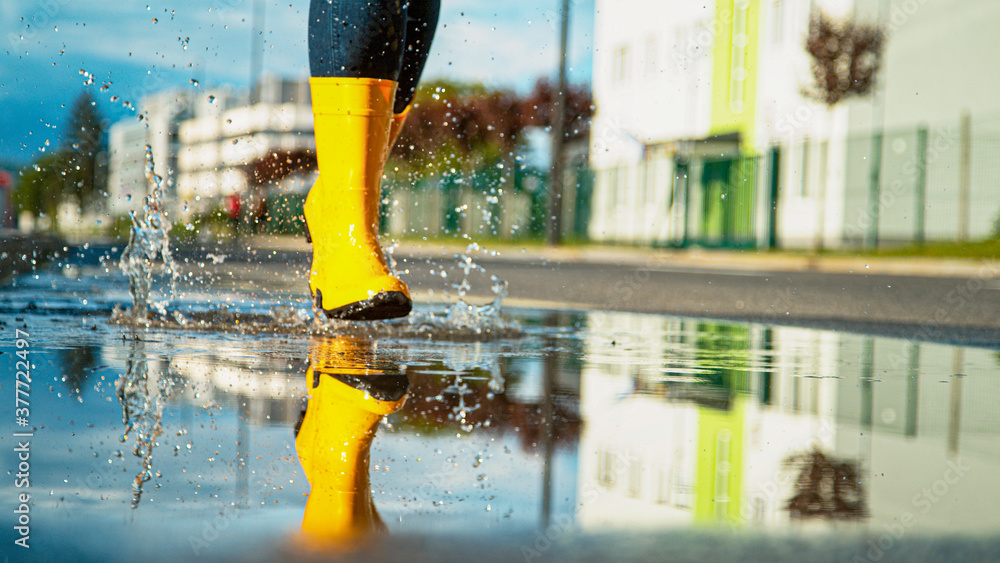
column 962, row 310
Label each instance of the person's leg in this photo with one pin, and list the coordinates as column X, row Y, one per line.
column 421, row 23
column 355, row 54
column 356, row 38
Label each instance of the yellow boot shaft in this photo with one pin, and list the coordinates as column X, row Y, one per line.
column 352, row 119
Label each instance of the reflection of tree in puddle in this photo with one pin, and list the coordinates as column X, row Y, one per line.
column 444, row 401
column 78, row 363
column 142, row 410
column 826, row 487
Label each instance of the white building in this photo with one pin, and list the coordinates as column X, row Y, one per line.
column 700, row 138
column 205, row 141
column 218, row 148
column 162, row 114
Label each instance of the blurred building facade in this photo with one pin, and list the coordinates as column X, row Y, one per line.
column 206, row 142
column 220, row 148
column 703, row 134
column 163, row 112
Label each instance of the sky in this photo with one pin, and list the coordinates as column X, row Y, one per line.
column 51, row 50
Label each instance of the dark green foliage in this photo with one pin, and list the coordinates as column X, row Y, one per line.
column 74, row 173
column 82, row 147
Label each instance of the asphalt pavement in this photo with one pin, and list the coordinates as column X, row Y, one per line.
column 950, row 301
column 928, row 306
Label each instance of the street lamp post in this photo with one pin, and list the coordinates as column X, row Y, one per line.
column 256, row 51
column 558, row 134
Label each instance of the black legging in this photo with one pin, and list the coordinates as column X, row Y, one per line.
column 387, row 39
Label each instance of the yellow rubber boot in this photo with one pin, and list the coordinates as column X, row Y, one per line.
column 349, row 278
column 398, row 120
column 348, row 396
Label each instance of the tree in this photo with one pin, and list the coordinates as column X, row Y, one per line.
column 826, row 487
column 82, row 145
column 538, row 109
column 464, row 126
column 73, row 173
column 459, row 126
column 846, row 56
column 41, row 186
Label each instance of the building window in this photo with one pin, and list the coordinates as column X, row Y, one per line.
column 824, row 150
column 722, row 471
column 777, row 22
column 606, row 468
column 613, row 189
column 737, row 60
column 663, row 487
column 646, row 168
column 804, row 169
column 635, row 477
column 679, row 54
column 652, row 58
column 619, row 67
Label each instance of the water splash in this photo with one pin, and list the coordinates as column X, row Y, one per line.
column 461, row 410
column 465, row 316
column 478, row 318
column 460, row 321
column 149, row 239
column 142, row 411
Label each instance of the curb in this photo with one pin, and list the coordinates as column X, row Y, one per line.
column 693, row 259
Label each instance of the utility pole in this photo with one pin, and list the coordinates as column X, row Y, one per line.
column 558, row 135
column 964, row 175
column 874, row 202
column 921, row 185
column 256, row 51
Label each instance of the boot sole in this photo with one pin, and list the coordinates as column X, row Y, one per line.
column 381, row 306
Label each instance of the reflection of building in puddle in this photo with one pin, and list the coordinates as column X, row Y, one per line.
column 495, row 388
column 678, row 438
column 925, row 418
column 689, row 421
column 447, row 397
column 261, row 388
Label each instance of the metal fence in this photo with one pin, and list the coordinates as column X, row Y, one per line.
column 489, row 203
column 921, row 183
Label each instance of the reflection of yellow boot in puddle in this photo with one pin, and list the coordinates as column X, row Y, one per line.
column 349, row 278
column 347, row 399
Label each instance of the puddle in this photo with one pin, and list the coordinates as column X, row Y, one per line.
column 578, row 423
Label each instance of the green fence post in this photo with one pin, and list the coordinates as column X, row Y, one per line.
column 874, row 190
column 964, row 175
column 772, row 211
column 581, row 215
